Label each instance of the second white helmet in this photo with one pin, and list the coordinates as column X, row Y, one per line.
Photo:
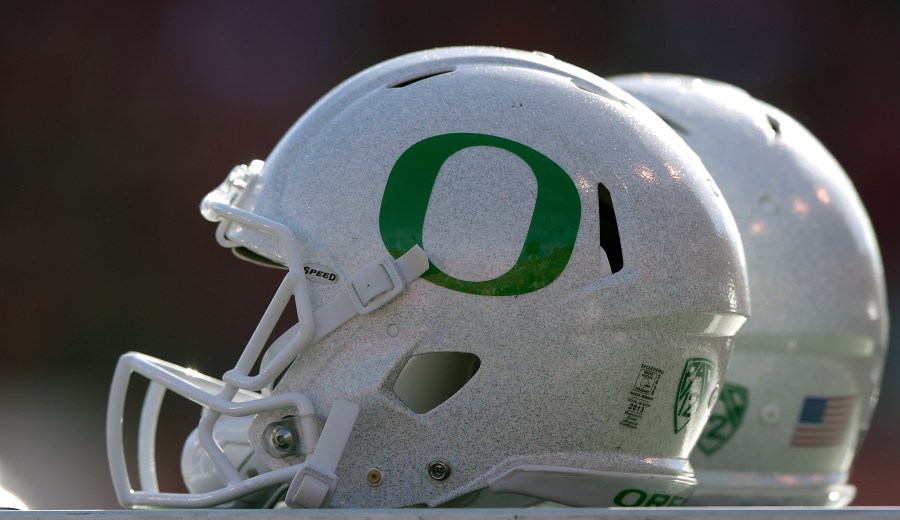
column 807, row 366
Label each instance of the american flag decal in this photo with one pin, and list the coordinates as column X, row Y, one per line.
column 823, row 421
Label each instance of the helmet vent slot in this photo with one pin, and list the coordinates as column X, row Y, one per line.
column 680, row 130
column 423, row 77
column 774, row 123
column 247, row 255
column 596, row 90
column 609, row 229
column 428, row 380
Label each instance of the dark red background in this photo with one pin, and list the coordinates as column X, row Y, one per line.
column 117, row 117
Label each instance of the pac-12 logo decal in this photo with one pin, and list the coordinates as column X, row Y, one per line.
column 694, row 388
column 725, row 419
column 551, row 235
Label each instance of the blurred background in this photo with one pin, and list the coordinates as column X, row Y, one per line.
column 117, row 117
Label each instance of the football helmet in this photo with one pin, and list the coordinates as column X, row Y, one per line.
column 806, row 370
column 511, row 285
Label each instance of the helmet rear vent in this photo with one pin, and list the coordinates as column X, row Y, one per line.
column 597, row 90
column 774, row 123
column 680, row 130
column 609, row 229
column 428, row 380
column 423, row 77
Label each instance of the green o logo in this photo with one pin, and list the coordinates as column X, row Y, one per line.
column 551, row 233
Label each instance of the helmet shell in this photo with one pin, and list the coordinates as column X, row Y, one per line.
column 559, row 355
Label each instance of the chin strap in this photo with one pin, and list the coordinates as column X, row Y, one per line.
column 366, row 290
column 315, row 482
column 369, row 288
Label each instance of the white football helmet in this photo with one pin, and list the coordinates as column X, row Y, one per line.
column 806, row 370
column 511, row 286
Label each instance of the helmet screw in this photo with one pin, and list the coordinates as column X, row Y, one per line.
column 769, row 414
column 282, row 438
column 374, row 477
column 439, row 469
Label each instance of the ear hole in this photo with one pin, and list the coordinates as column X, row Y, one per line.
column 427, row 380
column 609, row 229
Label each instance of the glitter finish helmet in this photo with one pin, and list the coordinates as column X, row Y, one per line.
column 806, row 370
column 511, row 286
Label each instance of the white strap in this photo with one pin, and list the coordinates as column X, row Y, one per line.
column 366, row 290
column 316, row 481
column 369, row 288
column 374, row 281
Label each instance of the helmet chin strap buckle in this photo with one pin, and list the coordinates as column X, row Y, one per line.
column 315, row 482
column 382, row 280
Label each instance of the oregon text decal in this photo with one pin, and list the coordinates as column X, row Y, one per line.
column 640, row 498
column 550, row 237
